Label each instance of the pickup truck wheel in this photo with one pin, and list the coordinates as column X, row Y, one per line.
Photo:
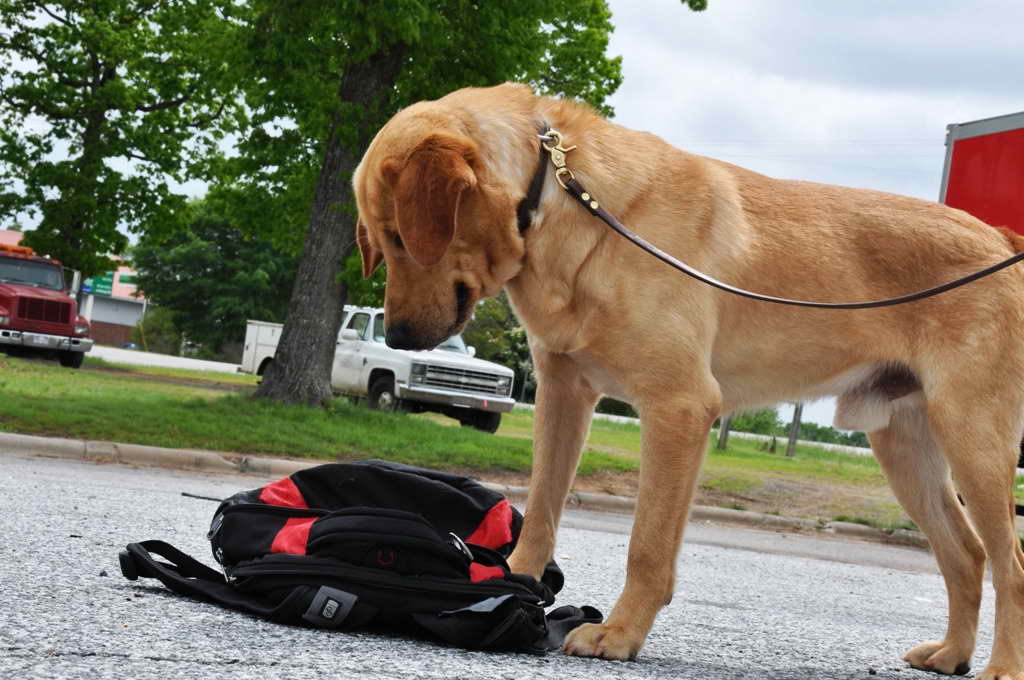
column 72, row 359
column 485, row 421
column 382, row 395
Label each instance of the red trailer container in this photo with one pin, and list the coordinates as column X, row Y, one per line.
column 984, row 171
column 984, row 175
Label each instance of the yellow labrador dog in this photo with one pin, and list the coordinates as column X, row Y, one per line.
column 938, row 383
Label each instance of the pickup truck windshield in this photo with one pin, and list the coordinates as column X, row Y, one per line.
column 452, row 344
column 29, row 273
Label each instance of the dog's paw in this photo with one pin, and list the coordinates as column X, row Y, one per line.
column 603, row 641
column 999, row 673
column 941, row 657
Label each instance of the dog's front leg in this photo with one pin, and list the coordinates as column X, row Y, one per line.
column 565, row 406
column 675, row 438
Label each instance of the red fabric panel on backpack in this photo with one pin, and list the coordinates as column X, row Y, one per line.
column 283, row 492
column 480, row 572
column 293, row 536
column 496, row 528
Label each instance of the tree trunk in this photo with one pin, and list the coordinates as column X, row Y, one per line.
column 301, row 370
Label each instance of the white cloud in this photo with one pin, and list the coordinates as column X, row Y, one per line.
column 848, row 93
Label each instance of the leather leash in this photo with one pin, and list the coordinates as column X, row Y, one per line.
column 551, row 143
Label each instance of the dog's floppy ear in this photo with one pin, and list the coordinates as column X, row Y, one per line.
column 427, row 190
column 371, row 256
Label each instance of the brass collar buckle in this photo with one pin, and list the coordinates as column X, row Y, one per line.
column 552, row 142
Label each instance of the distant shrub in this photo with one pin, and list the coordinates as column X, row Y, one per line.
column 615, row 407
column 765, row 421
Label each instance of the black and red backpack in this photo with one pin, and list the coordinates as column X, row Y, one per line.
column 373, row 543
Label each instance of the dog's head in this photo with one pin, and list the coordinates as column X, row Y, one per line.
column 434, row 208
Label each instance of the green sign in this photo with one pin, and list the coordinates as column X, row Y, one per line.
column 100, row 285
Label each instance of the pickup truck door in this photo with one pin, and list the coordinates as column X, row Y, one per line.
column 376, row 354
column 348, row 355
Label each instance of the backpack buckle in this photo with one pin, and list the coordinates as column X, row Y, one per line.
column 329, row 607
column 460, row 545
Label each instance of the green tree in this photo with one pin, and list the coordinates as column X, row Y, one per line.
column 497, row 336
column 857, row 439
column 364, row 292
column 830, row 435
column 156, row 332
column 210, row 278
column 101, row 103
column 330, row 73
column 764, row 421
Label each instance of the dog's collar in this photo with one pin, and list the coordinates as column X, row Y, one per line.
column 531, row 201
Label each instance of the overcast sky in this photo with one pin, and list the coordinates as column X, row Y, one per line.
column 856, row 93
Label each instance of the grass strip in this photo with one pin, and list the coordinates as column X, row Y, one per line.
column 164, row 371
column 46, row 399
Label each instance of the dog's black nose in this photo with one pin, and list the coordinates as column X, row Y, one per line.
column 400, row 336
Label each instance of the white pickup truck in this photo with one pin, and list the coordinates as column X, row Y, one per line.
column 446, row 380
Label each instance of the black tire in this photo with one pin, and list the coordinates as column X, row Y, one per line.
column 485, row 421
column 72, row 359
column 382, row 395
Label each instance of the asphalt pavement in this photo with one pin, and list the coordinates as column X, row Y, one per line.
column 749, row 604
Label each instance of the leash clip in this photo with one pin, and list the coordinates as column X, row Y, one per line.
column 552, row 142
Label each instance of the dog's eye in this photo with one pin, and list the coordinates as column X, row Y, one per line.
column 398, row 241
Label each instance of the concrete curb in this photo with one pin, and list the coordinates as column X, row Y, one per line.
column 273, row 467
column 53, row 447
column 114, row 452
column 704, row 513
column 211, row 461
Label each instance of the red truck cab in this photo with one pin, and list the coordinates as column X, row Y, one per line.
column 38, row 313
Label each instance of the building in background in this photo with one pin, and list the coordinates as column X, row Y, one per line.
column 112, row 305
column 110, row 301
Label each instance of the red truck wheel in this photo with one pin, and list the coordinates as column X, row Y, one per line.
column 72, row 359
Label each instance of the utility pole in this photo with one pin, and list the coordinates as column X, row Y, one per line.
column 794, row 429
column 723, row 432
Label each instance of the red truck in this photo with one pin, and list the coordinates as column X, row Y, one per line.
column 38, row 312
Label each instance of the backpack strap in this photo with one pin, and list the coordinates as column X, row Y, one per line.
column 562, row 621
column 323, row 607
column 506, row 623
column 503, row 622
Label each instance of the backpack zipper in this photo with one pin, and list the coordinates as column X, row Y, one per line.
column 358, row 576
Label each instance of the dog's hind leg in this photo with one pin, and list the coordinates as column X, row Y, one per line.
column 981, row 446
column 919, row 476
column 565, row 406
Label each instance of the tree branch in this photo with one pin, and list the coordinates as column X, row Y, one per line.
column 27, row 108
column 169, row 103
column 127, row 20
column 202, row 121
column 25, row 48
column 139, row 157
column 63, row 20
